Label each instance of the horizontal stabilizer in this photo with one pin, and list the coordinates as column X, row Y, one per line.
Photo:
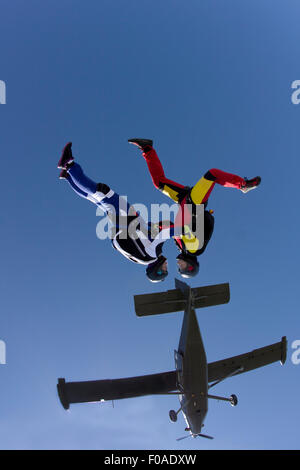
column 249, row 361
column 175, row 300
column 97, row 390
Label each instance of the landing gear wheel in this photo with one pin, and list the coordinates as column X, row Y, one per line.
column 233, row 400
column 173, row 416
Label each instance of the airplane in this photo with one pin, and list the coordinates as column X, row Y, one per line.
column 193, row 376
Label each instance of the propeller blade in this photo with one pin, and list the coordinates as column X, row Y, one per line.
column 194, row 435
column 205, row 435
column 184, row 437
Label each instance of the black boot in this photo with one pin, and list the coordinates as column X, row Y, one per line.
column 63, row 175
column 66, row 158
column 251, row 184
column 144, row 144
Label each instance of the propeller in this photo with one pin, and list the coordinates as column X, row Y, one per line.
column 195, row 435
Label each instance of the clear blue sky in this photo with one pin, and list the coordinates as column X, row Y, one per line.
column 210, row 82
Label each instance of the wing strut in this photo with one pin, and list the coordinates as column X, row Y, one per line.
column 237, row 371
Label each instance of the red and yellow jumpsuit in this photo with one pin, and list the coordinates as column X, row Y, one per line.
column 183, row 195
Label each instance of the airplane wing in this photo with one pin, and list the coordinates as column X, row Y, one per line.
column 175, row 301
column 249, row 361
column 91, row 391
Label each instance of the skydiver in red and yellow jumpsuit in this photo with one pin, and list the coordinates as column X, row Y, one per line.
column 190, row 197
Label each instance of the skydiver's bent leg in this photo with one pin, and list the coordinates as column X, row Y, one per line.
column 229, row 180
column 169, row 187
column 81, row 180
column 115, row 206
column 202, row 189
column 76, row 188
column 98, row 193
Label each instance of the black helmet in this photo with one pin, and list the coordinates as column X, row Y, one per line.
column 154, row 271
column 192, row 268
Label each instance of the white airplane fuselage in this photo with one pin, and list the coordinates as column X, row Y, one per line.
column 192, row 373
